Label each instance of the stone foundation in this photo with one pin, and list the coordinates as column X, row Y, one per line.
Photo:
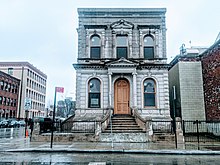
column 65, row 137
column 124, row 137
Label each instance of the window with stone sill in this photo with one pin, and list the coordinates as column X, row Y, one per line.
column 121, row 46
column 148, row 47
column 95, row 47
column 94, row 93
column 149, row 93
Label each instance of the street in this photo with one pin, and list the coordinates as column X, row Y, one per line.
column 113, row 159
column 60, row 157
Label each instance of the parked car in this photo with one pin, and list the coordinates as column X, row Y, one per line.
column 13, row 124
column 4, row 123
column 21, row 123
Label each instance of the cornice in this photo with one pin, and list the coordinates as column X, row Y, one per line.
column 154, row 66
column 23, row 64
column 103, row 66
column 88, row 66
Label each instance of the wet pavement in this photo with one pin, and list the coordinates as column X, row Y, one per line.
column 20, row 151
column 102, row 159
column 24, row 145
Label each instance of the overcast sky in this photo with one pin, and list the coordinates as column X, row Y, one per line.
column 43, row 32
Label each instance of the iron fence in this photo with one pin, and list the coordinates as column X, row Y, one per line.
column 69, row 126
column 79, row 126
column 12, row 132
column 163, row 127
column 201, row 131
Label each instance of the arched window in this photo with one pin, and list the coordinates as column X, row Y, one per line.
column 122, row 46
column 95, row 47
column 148, row 47
column 149, row 93
column 94, row 93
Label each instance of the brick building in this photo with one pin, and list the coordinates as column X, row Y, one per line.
column 211, row 78
column 9, row 95
column 32, row 87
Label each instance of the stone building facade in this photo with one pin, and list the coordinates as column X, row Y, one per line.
column 32, row 87
column 121, row 62
column 9, row 94
column 211, row 77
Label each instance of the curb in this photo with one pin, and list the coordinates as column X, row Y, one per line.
column 159, row 152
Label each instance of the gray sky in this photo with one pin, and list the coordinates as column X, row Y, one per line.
column 43, row 32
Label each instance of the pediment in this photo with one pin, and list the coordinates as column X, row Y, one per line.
column 122, row 24
column 122, row 62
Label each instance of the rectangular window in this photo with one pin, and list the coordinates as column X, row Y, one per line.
column 94, row 100
column 10, row 71
column 149, row 99
column 148, row 53
column 121, row 52
column 95, row 52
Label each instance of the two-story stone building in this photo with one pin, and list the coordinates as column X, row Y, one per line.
column 122, row 62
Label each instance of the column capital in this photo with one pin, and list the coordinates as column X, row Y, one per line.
column 134, row 73
column 109, row 73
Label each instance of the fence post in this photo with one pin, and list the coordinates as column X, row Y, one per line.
column 184, row 128
column 175, row 133
column 197, row 130
column 180, row 142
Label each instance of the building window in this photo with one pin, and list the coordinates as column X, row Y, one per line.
column 2, row 85
column 95, row 47
column 0, row 100
column 9, row 87
column 15, row 102
column 149, row 93
column 148, row 47
column 94, row 93
column 16, row 89
column 122, row 46
column 6, row 86
column 10, row 71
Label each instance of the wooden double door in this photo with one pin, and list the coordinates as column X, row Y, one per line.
column 122, row 97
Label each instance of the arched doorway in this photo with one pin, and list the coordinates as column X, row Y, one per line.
column 122, row 96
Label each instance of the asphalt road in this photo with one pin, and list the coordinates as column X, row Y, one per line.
column 102, row 159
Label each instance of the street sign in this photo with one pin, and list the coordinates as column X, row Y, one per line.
column 27, row 103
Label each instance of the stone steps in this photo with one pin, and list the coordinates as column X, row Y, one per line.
column 123, row 124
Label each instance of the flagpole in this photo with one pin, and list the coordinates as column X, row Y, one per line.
column 54, row 108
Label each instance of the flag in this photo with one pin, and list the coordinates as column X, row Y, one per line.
column 60, row 89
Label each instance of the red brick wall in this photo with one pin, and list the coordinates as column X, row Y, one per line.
column 211, row 79
column 9, row 110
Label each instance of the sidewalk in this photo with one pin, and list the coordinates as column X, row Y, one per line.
column 24, row 145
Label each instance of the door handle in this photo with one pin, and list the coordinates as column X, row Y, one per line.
column 128, row 103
